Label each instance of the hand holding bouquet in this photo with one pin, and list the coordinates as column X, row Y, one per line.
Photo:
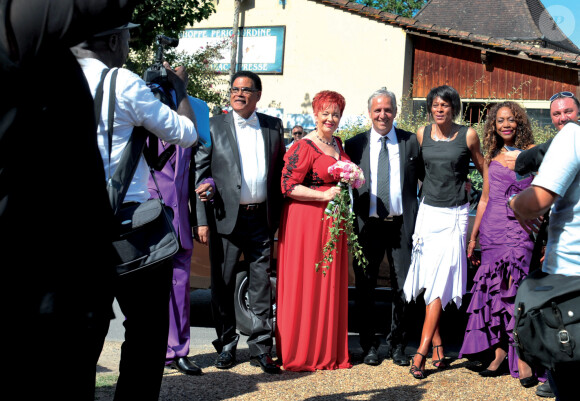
column 339, row 209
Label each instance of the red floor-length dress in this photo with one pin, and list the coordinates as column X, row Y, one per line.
column 312, row 308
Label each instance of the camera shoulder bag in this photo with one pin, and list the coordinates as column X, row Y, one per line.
column 144, row 234
column 547, row 321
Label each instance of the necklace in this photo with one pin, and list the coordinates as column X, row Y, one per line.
column 444, row 137
column 326, row 142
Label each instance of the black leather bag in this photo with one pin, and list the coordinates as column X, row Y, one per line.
column 547, row 321
column 145, row 234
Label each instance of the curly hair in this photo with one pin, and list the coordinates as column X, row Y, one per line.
column 322, row 100
column 493, row 142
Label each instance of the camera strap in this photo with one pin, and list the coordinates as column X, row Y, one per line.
column 151, row 153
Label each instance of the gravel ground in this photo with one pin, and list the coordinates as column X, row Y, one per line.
column 384, row 382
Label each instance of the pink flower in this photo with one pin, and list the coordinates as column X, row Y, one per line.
column 348, row 173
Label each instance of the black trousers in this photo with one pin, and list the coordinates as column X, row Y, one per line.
column 378, row 237
column 252, row 239
column 143, row 297
column 563, row 381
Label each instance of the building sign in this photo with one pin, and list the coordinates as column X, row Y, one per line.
column 260, row 49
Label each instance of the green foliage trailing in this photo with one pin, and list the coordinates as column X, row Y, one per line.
column 399, row 7
column 342, row 221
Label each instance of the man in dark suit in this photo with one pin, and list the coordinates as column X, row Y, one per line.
column 65, row 302
column 245, row 159
column 386, row 209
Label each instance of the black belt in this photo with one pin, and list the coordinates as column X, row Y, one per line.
column 388, row 218
column 252, row 207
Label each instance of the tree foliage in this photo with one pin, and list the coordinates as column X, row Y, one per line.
column 170, row 18
column 166, row 17
column 399, row 7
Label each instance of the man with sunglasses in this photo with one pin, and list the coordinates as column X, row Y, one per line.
column 245, row 159
column 297, row 134
column 564, row 107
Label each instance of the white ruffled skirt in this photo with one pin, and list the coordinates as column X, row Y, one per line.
column 439, row 261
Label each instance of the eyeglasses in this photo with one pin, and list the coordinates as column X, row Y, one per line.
column 298, row 133
column 562, row 94
column 245, row 91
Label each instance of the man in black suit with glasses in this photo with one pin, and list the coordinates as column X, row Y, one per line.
column 245, row 160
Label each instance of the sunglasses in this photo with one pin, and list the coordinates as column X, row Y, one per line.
column 561, row 94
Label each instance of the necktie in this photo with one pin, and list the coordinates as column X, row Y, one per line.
column 383, row 181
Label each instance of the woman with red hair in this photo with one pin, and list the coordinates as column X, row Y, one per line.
column 312, row 307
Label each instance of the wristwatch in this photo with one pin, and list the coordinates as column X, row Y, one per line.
column 509, row 201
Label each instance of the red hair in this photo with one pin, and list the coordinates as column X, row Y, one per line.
column 324, row 99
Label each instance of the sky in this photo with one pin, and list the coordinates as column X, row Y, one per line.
column 566, row 13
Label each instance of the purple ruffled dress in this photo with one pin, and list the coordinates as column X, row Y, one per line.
column 506, row 251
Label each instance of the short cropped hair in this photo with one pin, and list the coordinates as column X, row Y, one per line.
column 248, row 74
column 448, row 94
column 384, row 92
column 322, row 100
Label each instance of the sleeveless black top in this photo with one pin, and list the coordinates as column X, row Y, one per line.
column 446, row 169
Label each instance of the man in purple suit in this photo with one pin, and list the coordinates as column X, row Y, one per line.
column 174, row 184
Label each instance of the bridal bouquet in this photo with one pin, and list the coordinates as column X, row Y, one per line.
column 339, row 209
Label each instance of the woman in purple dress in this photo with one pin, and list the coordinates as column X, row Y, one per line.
column 506, row 249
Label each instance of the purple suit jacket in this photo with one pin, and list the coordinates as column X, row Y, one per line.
column 173, row 182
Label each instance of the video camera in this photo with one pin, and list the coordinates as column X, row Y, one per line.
column 156, row 78
column 156, row 73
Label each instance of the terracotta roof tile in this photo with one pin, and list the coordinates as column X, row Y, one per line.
column 355, row 6
column 388, row 15
column 483, row 38
column 544, row 51
column 405, row 20
column 343, row 2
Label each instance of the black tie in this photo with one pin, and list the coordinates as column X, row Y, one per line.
column 383, row 181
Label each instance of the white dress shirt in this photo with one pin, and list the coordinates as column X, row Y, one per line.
column 396, row 201
column 135, row 106
column 252, row 158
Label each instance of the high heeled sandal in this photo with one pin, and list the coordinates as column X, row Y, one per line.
column 439, row 363
column 502, row 369
column 416, row 371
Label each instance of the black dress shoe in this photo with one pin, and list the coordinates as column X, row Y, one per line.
column 399, row 357
column 501, row 370
column 225, row 360
column 184, row 365
column 529, row 381
column 265, row 362
column 371, row 357
column 544, row 390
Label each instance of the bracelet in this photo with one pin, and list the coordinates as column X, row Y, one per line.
column 509, row 201
column 471, row 240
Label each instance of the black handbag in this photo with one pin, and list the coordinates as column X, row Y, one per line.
column 145, row 234
column 547, row 321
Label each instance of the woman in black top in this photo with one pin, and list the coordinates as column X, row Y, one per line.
column 439, row 260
